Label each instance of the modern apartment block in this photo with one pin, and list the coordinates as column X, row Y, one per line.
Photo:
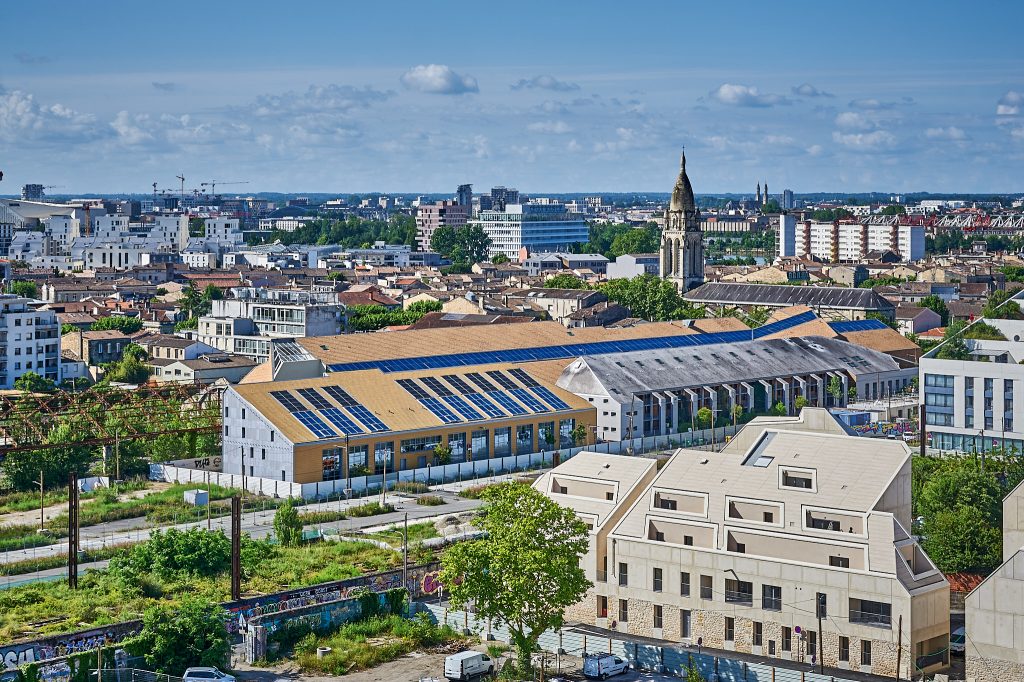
column 29, row 340
column 245, row 323
column 977, row 404
column 744, row 549
column 849, row 242
column 429, row 217
column 537, row 227
column 994, row 646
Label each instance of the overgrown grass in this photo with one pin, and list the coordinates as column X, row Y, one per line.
column 323, row 516
column 370, row 643
column 475, row 492
column 430, row 500
column 20, row 501
column 412, row 487
column 60, row 560
column 417, row 532
column 369, row 509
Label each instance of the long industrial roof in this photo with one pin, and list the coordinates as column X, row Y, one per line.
column 773, row 294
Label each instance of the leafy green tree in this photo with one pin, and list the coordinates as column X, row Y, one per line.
column 933, row 302
column 772, row 206
column 442, row 454
column 499, row 259
column 130, row 369
column 579, row 434
column 287, row 524
column 962, row 483
column 894, row 209
column 779, row 409
column 467, row 244
column 174, row 554
column 67, row 329
column 962, row 539
column 33, row 383
column 835, row 389
column 565, row 281
column 424, row 307
column 704, row 417
column 800, row 403
column 651, row 298
column 187, row 324
column 121, row 323
column 999, row 307
column 737, row 413
column 192, row 633
column 953, row 346
column 645, row 239
column 757, row 316
column 23, row 288
column 525, row 571
column 981, row 330
column 21, row 469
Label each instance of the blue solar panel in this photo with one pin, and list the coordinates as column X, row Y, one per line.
column 856, row 326
column 596, row 348
column 314, row 398
column 313, row 423
column 439, row 410
column 341, row 395
column 368, row 419
column 550, row 398
column 341, row 420
column 484, row 405
column 462, row 408
column 288, row 401
column 509, row 405
column 527, row 399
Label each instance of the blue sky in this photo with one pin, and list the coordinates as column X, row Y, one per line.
column 545, row 96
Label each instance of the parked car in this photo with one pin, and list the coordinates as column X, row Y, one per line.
column 467, row 665
column 602, row 666
column 203, row 674
column 957, row 639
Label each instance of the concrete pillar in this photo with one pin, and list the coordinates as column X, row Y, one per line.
column 769, row 391
column 750, row 396
column 661, row 414
column 787, row 397
column 846, row 389
column 713, row 393
column 821, row 389
column 674, row 411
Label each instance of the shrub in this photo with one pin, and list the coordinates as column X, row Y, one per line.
column 192, row 633
column 174, row 553
column 370, row 509
column 413, row 487
column 287, row 524
column 430, row 500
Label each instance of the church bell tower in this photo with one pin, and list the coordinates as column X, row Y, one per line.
column 682, row 244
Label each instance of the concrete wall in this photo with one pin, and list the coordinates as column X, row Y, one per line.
column 1013, row 522
column 995, row 625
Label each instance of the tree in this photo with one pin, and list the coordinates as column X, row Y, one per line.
column 425, row 306
column 651, row 298
column 772, row 206
column 779, row 409
column 835, row 389
column 1000, row 307
column 31, row 382
column 962, row 539
column 579, row 434
column 565, row 281
column 192, row 633
column 800, row 403
column 894, row 209
column 125, row 325
column 525, row 571
column 499, row 259
column 645, row 239
column 130, row 369
column 186, row 324
column 757, row 316
column 287, row 524
column 21, row 469
column 933, row 302
column 953, row 346
column 962, row 484
column 68, row 329
column 704, row 417
column 737, row 413
column 23, row 288
column 442, row 454
column 467, row 244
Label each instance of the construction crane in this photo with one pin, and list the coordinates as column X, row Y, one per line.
column 212, row 184
column 182, row 178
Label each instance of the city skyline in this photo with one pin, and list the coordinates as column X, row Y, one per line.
column 565, row 99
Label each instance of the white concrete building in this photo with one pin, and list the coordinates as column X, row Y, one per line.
column 538, row 227
column 29, row 340
column 848, row 242
column 743, row 549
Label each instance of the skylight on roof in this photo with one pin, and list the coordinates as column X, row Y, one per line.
column 763, row 461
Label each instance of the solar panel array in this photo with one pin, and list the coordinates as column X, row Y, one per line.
column 550, row 398
column 460, row 405
column 526, row 398
column 524, row 378
column 579, row 349
column 845, row 326
column 440, row 410
column 342, row 419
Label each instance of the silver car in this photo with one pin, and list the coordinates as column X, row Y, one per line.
column 203, row 674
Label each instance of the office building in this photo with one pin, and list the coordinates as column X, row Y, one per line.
column 630, row 265
column 793, row 541
column 535, row 227
column 29, row 340
column 502, row 197
column 245, row 323
column 464, row 196
column 787, row 200
column 429, row 217
column 32, row 192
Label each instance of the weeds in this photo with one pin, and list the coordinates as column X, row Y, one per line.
column 430, row 500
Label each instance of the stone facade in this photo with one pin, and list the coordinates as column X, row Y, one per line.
column 993, row 670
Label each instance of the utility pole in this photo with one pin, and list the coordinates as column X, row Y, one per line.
column 42, row 515
column 236, row 548
column 117, row 457
column 405, row 552
column 899, row 647
column 208, row 500
column 73, row 530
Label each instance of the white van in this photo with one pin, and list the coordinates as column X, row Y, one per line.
column 467, row 665
column 601, row 666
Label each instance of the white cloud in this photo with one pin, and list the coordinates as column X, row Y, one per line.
column 554, row 127
column 870, row 103
column 851, row 120
column 165, row 86
column 808, row 90
column 949, row 133
column 879, row 139
column 438, row 79
column 22, row 117
column 545, row 83
column 815, row 150
column 317, row 99
column 746, row 96
column 1010, row 104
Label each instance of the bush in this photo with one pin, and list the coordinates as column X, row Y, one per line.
column 192, row 633
column 370, row 509
column 287, row 524
column 413, row 487
column 430, row 500
column 175, row 553
column 475, row 492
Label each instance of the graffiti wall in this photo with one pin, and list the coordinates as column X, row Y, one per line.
column 59, row 646
column 239, row 613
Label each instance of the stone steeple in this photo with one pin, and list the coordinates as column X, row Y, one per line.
column 758, row 200
column 682, row 244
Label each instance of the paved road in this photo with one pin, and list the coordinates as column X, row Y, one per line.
column 257, row 524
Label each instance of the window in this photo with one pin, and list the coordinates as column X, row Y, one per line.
column 740, row 548
column 865, row 652
column 793, row 480
column 684, row 584
column 730, row 629
column 623, row 574
column 938, row 380
column 688, row 540
column 839, row 561
column 657, row 615
column 383, row 457
column 684, row 623
column 420, row 444
column 707, row 584
column 822, row 603
column 844, row 649
column 623, row 611
column 602, row 606
column 480, row 444
column 758, row 633
column 263, row 453
column 665, row 503
column 812, row 641
column 769, row 517
column 357, row 460
column 787, row 639
column 771, row 647
column 739, row 592
column 771, row 597
column 243, row 432
column 656, row 586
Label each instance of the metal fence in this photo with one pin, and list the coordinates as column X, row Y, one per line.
column 671, row 660
column 134, row 675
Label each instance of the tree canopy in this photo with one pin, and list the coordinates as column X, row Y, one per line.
column 565, row 281
column 651, row 298
column 936, row 304
column 526, row 570
column 1000, row 307
column 23, row 288
column 953, row 346
column 33, row 383
column 192, row 633
column 466, row 245
column 125, row 325
column 615, row 239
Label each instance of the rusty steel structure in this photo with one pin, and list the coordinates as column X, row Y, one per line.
column 102, row 416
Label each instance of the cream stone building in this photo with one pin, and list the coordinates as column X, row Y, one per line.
column 742, row 549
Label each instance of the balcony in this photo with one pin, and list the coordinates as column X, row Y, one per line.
column 733, row 597
column 881, row 620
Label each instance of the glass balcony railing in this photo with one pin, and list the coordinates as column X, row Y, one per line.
column 869, row 618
